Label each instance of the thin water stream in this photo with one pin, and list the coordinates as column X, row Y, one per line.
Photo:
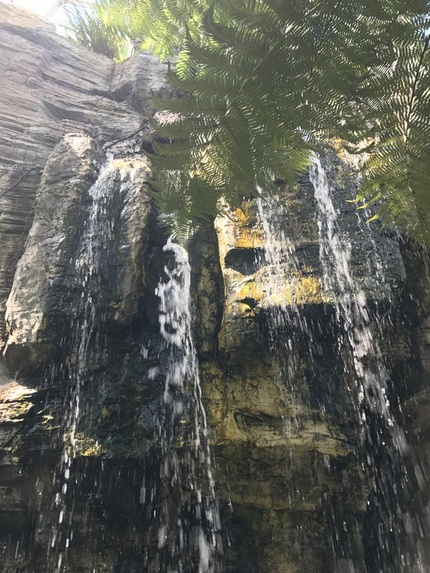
column 367, row 374
column 84, row 344
column 187, row 542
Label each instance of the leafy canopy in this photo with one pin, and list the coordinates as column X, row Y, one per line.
column 265, row 82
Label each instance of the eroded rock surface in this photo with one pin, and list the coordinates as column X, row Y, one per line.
column 42, row 303
column 51, row 87
column 292, row 475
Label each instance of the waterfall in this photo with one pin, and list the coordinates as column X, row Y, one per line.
column 278, row 257
column 351, row 306
column 366, row 371
column 186, row 468
column 282, row 297
column 298, row 317
column 84, row 346
column 182, row 499
column 388, row 530
column 305, row 366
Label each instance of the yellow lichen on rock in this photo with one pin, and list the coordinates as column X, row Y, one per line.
column 250, row 292
column 14, row 401
column 254, row 407
column 248, row 234
column 84, row 445
column 296, row 290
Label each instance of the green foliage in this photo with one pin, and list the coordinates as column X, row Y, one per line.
column 161, row 25
column 266, row 81
column 93, row 33
column 396, row 101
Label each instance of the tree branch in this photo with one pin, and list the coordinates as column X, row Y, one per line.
column 128, row 136
column 3, row 193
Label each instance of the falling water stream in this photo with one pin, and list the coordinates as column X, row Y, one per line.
column 84, row 344
column 281, row 270
column 366, row 371
column 187, row 542
column 187, row 512
column 390, row 529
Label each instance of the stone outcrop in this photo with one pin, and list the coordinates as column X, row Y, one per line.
column 50, row 87
column 42, row 302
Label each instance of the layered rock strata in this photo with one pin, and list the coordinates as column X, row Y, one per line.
column 51, row 87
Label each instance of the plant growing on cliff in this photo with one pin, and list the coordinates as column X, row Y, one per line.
column 267, row 80
column 95, row 34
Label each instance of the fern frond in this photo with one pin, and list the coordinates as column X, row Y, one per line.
column 267, row 79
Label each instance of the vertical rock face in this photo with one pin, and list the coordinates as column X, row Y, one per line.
column 287, row 391
column 286, row 426
column 42, row 301
column 282, row 407
column 51, row 87
column 58, row 221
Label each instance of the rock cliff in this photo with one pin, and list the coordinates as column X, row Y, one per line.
column 51, row 87
column 304, row 332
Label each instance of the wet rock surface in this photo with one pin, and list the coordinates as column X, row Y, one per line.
column 42, row 301
column 296, row 490
column 51, row 87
